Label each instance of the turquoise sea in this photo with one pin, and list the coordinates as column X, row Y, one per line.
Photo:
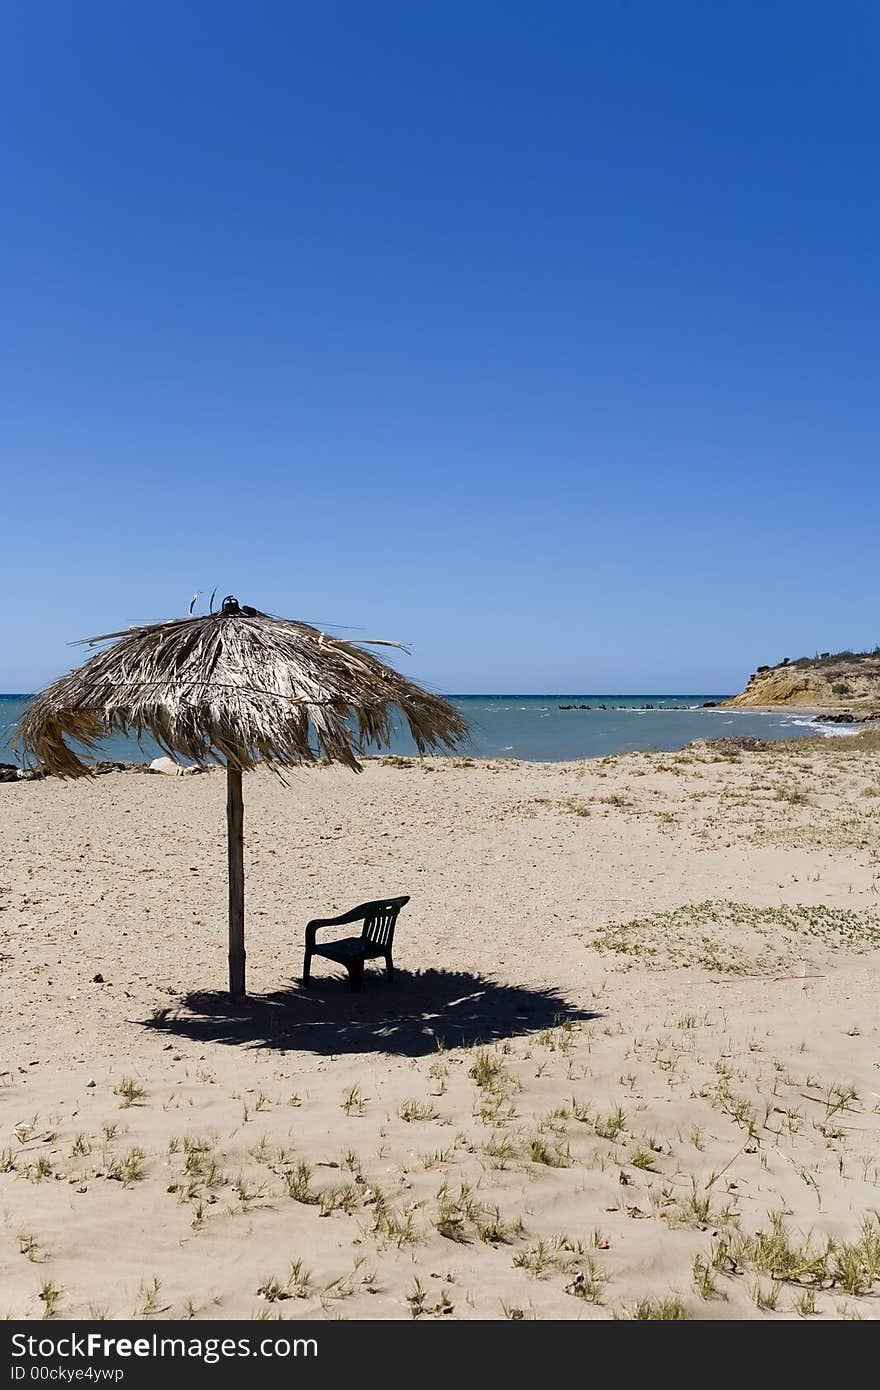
column 534, row 728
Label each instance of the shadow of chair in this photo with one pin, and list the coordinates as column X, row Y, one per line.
column 423, row 1010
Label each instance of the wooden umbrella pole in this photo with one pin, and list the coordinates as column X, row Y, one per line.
column 235, row 834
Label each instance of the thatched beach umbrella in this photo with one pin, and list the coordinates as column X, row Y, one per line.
column 239, row 688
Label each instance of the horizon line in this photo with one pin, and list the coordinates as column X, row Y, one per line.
column 509, row 694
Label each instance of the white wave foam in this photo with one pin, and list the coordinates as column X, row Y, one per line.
column 826, row 730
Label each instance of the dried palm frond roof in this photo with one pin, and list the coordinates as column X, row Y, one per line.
column 236, row 686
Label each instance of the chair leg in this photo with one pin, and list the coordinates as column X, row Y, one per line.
column 356, row 976
column 307, row 969
column 389, row 966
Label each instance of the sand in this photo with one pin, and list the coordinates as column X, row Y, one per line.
column 634, row 1018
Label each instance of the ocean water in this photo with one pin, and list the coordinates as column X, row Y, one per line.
column 535, row 729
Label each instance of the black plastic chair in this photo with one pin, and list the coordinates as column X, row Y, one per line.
column 376, row 939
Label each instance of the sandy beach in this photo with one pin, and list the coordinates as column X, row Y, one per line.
column 628, row 1068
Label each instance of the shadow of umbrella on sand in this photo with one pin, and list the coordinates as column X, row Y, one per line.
column 452, row 1008
column 242, row 689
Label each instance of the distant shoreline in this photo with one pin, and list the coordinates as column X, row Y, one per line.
column 532, row 728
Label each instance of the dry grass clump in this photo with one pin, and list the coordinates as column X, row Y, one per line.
column 297, row 1284
column 589, row 1283
column 127, row 1169
column 738, row 938
column 865, row 741
column 462, row 1218
column 392, row 1226
column 50, row 1296
column 559, row 1254
column 852, row 1266
column 413, row 1110
column 130, row 1092
column 298, row 1184
column 421, row 1308
column 668, row 1309
column 495, row 1088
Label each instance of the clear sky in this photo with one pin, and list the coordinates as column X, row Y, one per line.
column 543, row 336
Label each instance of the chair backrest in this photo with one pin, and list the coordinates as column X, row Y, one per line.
column 379, row 920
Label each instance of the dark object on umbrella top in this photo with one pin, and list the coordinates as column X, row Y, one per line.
column 240, row 688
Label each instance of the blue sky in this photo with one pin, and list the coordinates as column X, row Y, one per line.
column 543, row 337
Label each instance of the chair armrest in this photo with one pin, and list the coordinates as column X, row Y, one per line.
column 317, row 923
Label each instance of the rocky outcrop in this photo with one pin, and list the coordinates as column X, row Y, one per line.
column 847, row 681
column 847, row 716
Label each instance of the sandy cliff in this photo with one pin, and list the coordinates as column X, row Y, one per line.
column 842, row 680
